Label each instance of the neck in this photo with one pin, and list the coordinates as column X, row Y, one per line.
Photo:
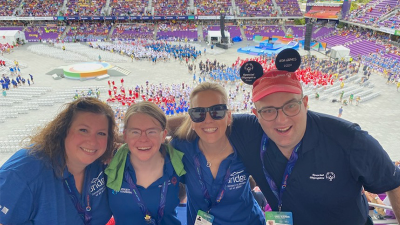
column 75, row 169
column 148, row 165
column 214, row 148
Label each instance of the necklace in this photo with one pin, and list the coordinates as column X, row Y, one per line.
column 209, row 162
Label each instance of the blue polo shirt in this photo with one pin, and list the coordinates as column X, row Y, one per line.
column 238, row 205
column 126, row 210
column 31, row 193
column 336, row 159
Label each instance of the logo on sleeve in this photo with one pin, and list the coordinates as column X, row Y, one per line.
column 4, row 210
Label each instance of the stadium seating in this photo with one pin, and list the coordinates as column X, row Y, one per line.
column 252, row 8
column 133, row 31
column 84, row 7
column 129, row 7
column 7, row 7
column 181, row 30
column 208, row 8
column 289, row 7
column 170, row 7
column 41, row 8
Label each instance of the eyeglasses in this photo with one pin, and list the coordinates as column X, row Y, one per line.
column 150, row 133
column 217, row 112
column 289, row 109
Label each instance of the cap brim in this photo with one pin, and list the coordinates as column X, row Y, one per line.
column 276, row 88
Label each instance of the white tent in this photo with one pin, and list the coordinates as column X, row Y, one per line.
column 11, row 36
column 216, row 34
column 340, row 52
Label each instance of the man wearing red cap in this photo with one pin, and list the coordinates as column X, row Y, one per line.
column 309, row 164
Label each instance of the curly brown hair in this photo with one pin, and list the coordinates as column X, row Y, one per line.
column 49, row 142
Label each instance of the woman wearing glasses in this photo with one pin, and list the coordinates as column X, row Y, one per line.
column 142, row 180
column 217, row 182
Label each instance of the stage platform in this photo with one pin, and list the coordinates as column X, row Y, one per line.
column 88, row 70
column 268, row 50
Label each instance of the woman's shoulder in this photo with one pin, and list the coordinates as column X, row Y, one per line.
column 183, row 145
column 26, row 165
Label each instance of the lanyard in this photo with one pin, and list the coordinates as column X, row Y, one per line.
column 289, row 167
column 84, row 212
column 138, row 199
column 206, row 194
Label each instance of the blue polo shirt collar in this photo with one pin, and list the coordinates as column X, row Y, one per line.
column 168, row 170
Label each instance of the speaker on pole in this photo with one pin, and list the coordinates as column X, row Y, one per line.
column 222, row 25
column 307, row 37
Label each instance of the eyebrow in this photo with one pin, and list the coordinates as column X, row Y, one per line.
column 291, row 100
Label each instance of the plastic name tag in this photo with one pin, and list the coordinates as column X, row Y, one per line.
column 279, row 218
column 203, row 218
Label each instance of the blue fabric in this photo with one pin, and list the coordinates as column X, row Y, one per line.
column 127, row 211
column 30, row 193
column 182, row 213
column 238, row 205
column 336, row 159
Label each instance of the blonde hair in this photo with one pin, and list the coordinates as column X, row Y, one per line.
column 148, row 108
column 185, row 130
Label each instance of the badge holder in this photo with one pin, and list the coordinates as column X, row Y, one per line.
column 281, row 218
column 203, row 218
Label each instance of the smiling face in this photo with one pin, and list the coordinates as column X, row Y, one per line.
column 285, row 131
column 145, row 146
column 86, row 139
column 210, row 130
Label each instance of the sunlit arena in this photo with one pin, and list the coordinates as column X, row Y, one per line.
column 126, row 52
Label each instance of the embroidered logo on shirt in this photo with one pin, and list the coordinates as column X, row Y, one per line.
column 97, row 185
column 330, row 176
column 125, row 191
column 237, row 180
column 4, row 210
column 320, row 176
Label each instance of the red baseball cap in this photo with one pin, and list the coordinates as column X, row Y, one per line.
column 276, row 81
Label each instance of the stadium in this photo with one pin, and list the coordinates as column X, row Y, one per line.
column 124, row 52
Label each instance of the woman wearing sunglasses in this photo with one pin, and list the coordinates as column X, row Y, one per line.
column 216, row 180
column 143, row 177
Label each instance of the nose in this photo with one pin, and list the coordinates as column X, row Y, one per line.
column 208, row 117
column 143, row 136
column 281, row 116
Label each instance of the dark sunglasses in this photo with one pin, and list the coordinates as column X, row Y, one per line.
column 217, row 112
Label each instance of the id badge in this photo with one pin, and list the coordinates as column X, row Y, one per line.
column 203, row 218
column 279, row 218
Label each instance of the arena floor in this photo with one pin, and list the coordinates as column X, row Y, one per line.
column 379, row 116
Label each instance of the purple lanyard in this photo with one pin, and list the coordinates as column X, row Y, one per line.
column 289, row 167
column 206, row 194
column 84, row 212
column 138, row 199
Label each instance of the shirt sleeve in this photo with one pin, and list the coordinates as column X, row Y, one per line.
column 371, row 165
column 16, row 199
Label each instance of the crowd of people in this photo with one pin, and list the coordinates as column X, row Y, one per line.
column 41, row 8
column 84, row 8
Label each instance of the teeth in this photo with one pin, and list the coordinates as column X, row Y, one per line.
column 88, row 150
column 210, row 129
column 283, row 130
column 144, row 148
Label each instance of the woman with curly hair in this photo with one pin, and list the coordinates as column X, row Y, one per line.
column 59, row 178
